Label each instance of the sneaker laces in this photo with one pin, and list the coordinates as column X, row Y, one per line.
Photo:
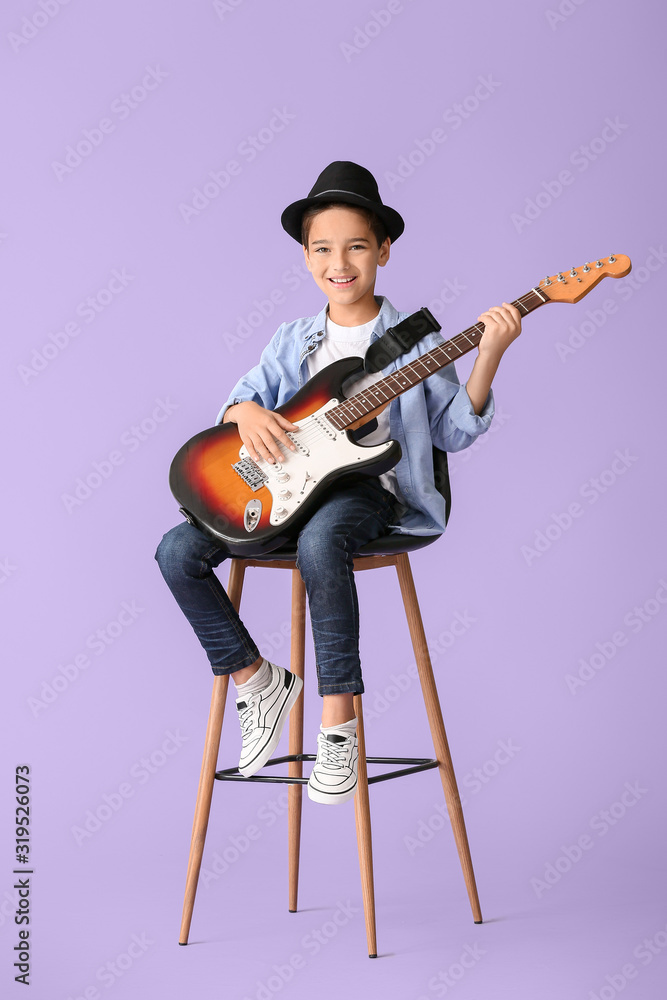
column 248, row 716
column 330, row 754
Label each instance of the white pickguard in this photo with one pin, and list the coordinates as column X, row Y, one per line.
column 321, row 449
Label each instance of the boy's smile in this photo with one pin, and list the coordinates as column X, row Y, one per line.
column 343, row 257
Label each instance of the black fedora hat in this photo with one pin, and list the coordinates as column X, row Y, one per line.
column 349, row 184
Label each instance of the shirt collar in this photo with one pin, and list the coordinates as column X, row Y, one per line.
column 387, row 317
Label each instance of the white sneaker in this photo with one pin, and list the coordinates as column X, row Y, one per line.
column 262, row 716
column 334, row 775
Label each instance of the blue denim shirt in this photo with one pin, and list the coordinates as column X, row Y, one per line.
column 437, row 411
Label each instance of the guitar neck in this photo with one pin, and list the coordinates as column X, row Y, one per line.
column 385, row 389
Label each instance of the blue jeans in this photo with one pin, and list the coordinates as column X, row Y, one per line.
column 350, row 516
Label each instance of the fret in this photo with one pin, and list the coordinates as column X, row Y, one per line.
column 377, row 390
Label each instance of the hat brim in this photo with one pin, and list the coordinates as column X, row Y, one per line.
column 291, row 217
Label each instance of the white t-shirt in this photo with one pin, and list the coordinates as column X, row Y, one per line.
column 342, row 342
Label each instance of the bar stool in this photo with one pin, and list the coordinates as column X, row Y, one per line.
column 388, row 550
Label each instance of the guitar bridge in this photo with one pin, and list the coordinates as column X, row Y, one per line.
column 250, row 473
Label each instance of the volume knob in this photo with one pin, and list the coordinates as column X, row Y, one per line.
column 283, row 477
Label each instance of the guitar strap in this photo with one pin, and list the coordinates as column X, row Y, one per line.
column 398, row 339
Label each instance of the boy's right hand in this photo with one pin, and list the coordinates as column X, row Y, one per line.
column 261, row 430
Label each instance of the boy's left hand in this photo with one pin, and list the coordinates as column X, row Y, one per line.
column 502, row 325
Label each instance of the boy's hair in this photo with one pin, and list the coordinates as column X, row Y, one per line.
column 375, row 224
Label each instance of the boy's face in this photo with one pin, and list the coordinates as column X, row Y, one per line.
column 342, row 246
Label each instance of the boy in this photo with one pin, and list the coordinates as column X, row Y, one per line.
column 346, row 233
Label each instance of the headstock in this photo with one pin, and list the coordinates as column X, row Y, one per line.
column 572, row 285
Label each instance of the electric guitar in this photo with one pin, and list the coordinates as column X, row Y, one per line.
column 251, row 507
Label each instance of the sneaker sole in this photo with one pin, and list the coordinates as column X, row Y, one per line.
column 260, row 761
column 330, row 798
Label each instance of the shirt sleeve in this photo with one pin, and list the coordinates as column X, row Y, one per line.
column 261, row 383
column 453, row 422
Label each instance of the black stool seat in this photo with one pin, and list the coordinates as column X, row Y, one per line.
column 385, row 545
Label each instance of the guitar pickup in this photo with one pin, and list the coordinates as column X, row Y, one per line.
column 295, row 441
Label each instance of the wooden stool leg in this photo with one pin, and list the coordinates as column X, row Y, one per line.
column 208, row 768
column 362, row 815
column 436, row 723
column 295, row 768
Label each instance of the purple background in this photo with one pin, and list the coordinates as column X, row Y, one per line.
column 346, row 89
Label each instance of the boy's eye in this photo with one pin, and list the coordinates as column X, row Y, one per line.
column 355, row 246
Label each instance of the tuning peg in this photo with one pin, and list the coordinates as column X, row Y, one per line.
column 586, row 268
column 573, row 273
column 547, row 280
column 612, row 259
column 598, row 263
column 561, row 278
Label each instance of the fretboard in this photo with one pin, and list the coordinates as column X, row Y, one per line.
column 387, row 388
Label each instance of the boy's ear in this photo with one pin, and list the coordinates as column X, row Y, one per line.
column 384, row 252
